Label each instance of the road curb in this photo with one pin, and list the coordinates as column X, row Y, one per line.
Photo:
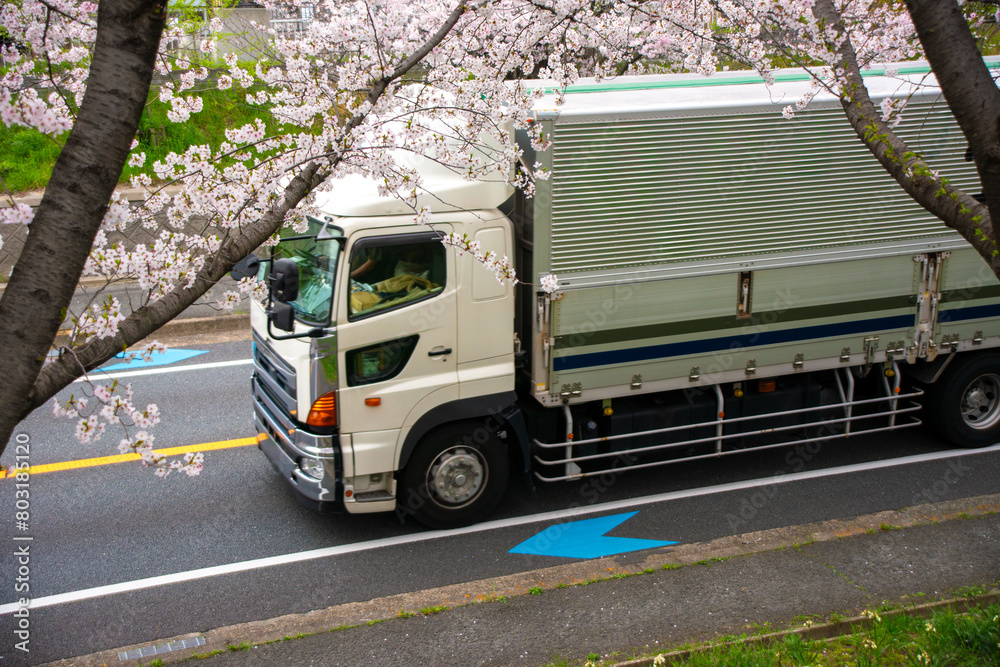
column 190, row 326
column 457, row 595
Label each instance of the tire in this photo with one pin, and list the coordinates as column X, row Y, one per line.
column 964, row 404
column 455, row 477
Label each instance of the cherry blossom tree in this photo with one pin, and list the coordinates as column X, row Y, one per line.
column 367, row 85
column 971, row 93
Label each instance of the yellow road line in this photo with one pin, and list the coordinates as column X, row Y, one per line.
column 121, row 458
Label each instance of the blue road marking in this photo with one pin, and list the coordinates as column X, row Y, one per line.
column 171, row 356
column 585, row 539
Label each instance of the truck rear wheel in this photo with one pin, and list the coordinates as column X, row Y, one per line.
column 964, row 405
column 456, row 476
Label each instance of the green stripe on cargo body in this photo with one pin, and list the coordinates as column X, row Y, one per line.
column 714, row 324
column 970, row 294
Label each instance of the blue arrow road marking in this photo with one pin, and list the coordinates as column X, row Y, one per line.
column 585, row 539
column 171, row 356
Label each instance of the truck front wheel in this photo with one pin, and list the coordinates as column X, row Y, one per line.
column 964, row 405
column 456, row 476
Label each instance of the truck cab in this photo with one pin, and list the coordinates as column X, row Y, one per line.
column 397, row 353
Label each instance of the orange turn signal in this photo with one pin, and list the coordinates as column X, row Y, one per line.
column 373, row 402
column 324, row 411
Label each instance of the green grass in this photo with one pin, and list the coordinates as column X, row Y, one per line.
column 969, row 639
column 971, row 591
column 27, row 156
column 223, row 109
column 339, row 628
column 427, row 611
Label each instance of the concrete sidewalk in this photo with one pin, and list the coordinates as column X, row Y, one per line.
column 200, row 318
column 635, row 604
column 203, row 316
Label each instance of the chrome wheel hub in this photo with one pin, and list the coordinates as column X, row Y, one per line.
column 456, row 476
column 981, row 402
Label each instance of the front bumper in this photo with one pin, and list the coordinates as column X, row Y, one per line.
column 285, row 445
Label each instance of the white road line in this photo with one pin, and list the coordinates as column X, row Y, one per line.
column 99, row 376
column 232, row 568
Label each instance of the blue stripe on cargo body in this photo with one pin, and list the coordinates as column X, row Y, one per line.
column 652, row 352
column 971, row 313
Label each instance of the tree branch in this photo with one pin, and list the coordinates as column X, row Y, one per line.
column 148, row 319
column 144, row 321
column 957, row 209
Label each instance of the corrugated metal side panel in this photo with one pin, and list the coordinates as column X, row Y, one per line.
column 653, row 192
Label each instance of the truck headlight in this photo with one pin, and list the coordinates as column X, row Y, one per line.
column 312, row 467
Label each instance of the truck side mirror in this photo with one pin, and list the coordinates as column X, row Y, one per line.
column 246, row 267
column 282, row 315
column 284, row 280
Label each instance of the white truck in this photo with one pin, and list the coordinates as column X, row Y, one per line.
column 728, row 280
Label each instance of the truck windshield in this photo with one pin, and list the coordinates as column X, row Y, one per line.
column 317, row 261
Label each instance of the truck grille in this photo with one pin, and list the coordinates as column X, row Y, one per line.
column 274, row 376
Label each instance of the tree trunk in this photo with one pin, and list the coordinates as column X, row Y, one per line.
column 67, row 220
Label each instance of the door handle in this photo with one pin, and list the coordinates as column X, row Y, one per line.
column 439, row 352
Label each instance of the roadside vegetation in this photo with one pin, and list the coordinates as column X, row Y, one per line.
column 27, row 156
column 966, row 639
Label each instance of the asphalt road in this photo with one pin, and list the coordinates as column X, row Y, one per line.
column 108, row 525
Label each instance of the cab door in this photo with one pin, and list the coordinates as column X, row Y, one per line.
column 397, row 340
